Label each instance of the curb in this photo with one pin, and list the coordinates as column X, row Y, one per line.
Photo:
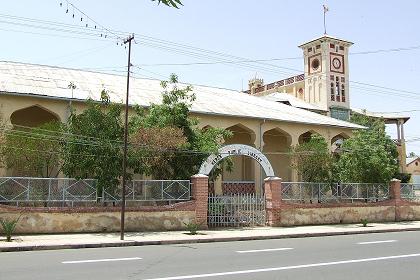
column 191, row 241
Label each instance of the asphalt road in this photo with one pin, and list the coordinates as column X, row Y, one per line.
column 368, row 256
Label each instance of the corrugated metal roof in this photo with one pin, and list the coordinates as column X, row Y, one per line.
column 295, row 102
column 53, row 82
column 384, row 115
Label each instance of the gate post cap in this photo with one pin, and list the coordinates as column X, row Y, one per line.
column 199, row 176
column 272, row 178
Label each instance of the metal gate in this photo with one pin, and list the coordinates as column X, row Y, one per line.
column 237, row 210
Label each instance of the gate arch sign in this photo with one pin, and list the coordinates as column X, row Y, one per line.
column 237, row 150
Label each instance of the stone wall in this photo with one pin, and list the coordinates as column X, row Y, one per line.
column 78, row 220
column 281, row 213
column 334, row 215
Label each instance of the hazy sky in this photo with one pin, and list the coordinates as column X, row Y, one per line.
column 251, row 29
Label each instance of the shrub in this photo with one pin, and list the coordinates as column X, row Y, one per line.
column 9, row 227
column 193, row 227
column 364, row 222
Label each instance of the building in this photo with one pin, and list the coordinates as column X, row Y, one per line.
column 34, row 94
column 325, row 81
column 324, row 87
column 413, row 167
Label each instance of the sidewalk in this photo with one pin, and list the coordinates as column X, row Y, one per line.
column 96, row 240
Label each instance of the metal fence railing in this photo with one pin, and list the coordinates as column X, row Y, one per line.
column 410, row 192
column 307, row 192
column 236, row 210
column 71, row 192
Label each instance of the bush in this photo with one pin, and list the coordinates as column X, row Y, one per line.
column 193, row 227
column 9, row 227
column 364, row 222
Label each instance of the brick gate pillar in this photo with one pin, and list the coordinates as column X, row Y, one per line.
column 395, row 195
column 200, row 193
column 272, row 188
column 395, row 189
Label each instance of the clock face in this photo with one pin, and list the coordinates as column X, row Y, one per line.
column 336, row 63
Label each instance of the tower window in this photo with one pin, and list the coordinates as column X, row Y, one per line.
column 341, row 48
column 332, row 92
column 343, row 79
column 309, row 49
column 343, row 93
column 318, row 46
column 332, row 46
column 332, row 77
column 337, row 84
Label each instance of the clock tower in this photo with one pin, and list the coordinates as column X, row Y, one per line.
column 327, row 76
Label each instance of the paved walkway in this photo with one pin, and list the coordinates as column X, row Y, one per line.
column 94, row 240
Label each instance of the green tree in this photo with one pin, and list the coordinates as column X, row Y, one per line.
column 33, row 151
column 93, row 148
column 313, row 160
column 170, row 3
column 174, row 111
column 369, row 156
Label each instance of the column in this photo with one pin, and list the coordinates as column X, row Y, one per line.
column 294, row 176
column 200, row 193
column 218, row 190
column 272, row 186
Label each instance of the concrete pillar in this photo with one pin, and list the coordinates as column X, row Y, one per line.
column 294, row 176
column 200, row 193
column 218, row 190
column 272, row 187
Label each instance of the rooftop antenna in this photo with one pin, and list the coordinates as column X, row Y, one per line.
column 326, row 9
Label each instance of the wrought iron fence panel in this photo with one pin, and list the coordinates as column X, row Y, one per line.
column 150, row 190
column 66, row 191
column 367, row 192
column 410, row 191
column 308, row 192
column 235, row 210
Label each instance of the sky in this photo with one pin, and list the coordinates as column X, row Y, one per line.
column 219, row 31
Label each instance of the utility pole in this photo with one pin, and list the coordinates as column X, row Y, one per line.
column 71, row 86
column 128, row 40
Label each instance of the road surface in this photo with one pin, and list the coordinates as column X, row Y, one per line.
column 366, row 256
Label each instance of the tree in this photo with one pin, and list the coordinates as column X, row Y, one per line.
column 170, row 3
column 93, row 148
column 312, row 160
column 33, row 151
column 174, row 112
column 369, row 156
column 412, row 154
column 153, row 148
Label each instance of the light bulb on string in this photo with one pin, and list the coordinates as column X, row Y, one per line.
column 61, row 4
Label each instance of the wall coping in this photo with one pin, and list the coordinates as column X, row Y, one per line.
column 181, row 206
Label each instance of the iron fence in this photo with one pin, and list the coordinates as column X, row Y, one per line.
column 307, row 192
column 236, row 210
column 71, row 192
column 410, row 192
